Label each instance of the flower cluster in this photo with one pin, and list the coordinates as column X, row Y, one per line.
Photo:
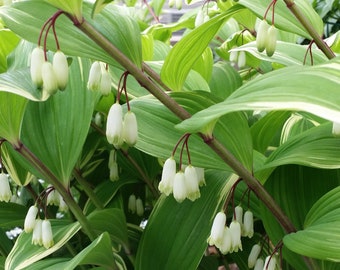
column 5, row 189
column 42, row 230
column 135, row 205
column 113, row 166
column 266, row 38
column 54, row 198
column 238, row 57
column 99, row 78
column 183, row 184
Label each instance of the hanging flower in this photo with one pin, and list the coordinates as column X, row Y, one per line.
column 63, row 207
column 37, row 60
column 271, row 40
column 30, row 218
column 239, row 214
column 191, row 182
column 60, row 67
column 94, row 81
column 226, row 243
column 5, row 189
column 47, row 235
column 114, row 124
column 168, row 175
column 130, row 129
column 105, row 82
column 217, row 230
column 37, row 233
column 179, row 189
column 200, row 176
column 259, row 265
column 139, row 207
column 113, row 166
column 50, row 83
column 132, row 203
column 248, row 224
column 52, row 197
column 253, row 255
column 262, row 35
column 235, row 231
column 242, row 59
column 270, row 263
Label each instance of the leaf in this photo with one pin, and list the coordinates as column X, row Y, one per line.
column 173, row 229
column 186, row 52
column 284, row 19
column 59, row 126
column 12, row 215
column 204, row 64
column 73, row 7
column 99, row 5
column 24, row 253
column 12, row 111
column 316, row 93
column 8, row 41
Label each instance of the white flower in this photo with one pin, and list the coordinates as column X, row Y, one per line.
column 217, row 230
column 271, row 40
column 259, row 264
column 37, row 233
column 270, row 263
column 63, row 207
column 98, row 119
column 262, row 35
column 37, row 60
column 199, row 18
column 226, row 243
column 130, row 128
column 5, row 189
column 241, row 60
column 139, row 207
column 50, row 83
column 52, row 197
column 178, row 4
column 30, row 218
column 239, row 214
column 336, row 129
column 179, row 189
column 233, row 56
column 132, row 203
column 248, row 224
column 60, row 67
column 191, row 182
column 95, row 74
column 114, row 124
column 200, row 176
column 105, row 82
column 253, row 255
column 47, row 235
column 168, row 175
column 235, row 231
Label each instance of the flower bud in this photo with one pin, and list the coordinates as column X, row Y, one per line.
column 114, row 124
column 270, row 263
column 178, row 4
column 114, row 173
column 94, row 77
column 179, row 189
column 47, row 235
column 130, row 128
column 60, row 67
column 233, row 56
column 241, row 60
column 30, row 218
column 226, row 243
column 37, row 233
column 199, row 18
column 171, row 3
column 5, row 189
column 271, row 40
column 132, row 203
column 63, row 207
column 248, row 224
column 191, row 182
column 235, row 231
column 168, row 175
column 217, row 230
column 50, row 84
column 37, row 60
column 105, row 83
column 139, row 207
column 261, row 37
column 259, row 265
column 239, row 214
column 254, row 254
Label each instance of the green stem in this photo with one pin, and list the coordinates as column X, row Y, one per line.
column 310, row 29
column 88, row 190
column 58, row 185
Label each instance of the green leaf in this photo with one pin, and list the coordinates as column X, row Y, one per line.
column 60, row 124
column 204, row 64
column 8, row 41
column 186, row 52
column 73, row 7
column 316, row 93
column 284, row 19
column 99, row 5
column 12, row 111
column 12, row 215
column 175, row 236
column 24, row 253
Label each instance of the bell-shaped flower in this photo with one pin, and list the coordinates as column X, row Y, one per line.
column 60, row 67
column 94, row 81
column 37, row 233
column 37, row 60
column 217, row 230
column 233, row 56
column 53, row 197
column 271, row 40
column 242, row 59
column 30, row 218
column 114, row 124
column 5, row 189
column 139, row 207
column 46, row 234
column 63, row 207
column 114, row 173
column 168, row 175
column 259, row 265
column 270, row 263
column 239, row 214
column 130, row 129
column 200, row 176
column 180, row 188
column 248, row 224
column 191, row 182
column 105, row 82
column 235, row 230
column 178, row 4
column 226, row 243
column 199, row 17
column 50, row 83
column 253, row 255
column 262, row 35
column 132, row 204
